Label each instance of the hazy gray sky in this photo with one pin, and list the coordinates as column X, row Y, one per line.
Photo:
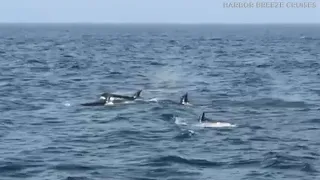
column 155, row 11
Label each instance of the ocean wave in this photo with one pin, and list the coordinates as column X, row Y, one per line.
column 284, row 161
column 273, row 102
column 315, row 120
column 185, row 135
column 77, row 167
column 169, row 160
column 77, row 178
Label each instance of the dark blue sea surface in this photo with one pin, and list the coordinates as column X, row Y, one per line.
column 263, row 79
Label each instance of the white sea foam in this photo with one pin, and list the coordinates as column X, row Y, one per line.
column 153, row 100
column 180, row 121
column 67, row 104
column 109, row 103
column 215, row 124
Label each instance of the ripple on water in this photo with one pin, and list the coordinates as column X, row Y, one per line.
column 169, row 160
column 284, row 161
column 78, row 167
column 275, row 103
column 184, row 135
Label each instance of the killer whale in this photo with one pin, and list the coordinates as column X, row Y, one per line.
column 117, row 98
column 112, row 98
column 100, row 102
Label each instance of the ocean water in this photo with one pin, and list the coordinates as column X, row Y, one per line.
column 262, row 79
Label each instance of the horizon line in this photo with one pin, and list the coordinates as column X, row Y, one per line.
column 171, row 23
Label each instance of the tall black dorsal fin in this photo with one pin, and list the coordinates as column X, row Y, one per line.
column 137, row 94
column 184, row 99
column 202, row 117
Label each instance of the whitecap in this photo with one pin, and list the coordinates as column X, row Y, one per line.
column 180, row 121
column 153, row 100
column 109, row 103
column 215, row 124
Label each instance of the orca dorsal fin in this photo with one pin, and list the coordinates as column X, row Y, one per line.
column 184, row 99
column 137, row 94
column 202, row 117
